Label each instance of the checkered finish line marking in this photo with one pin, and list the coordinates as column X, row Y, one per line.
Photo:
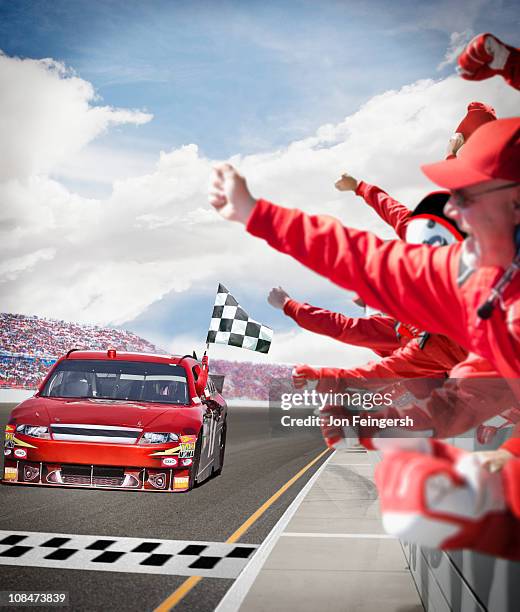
column 130, row 555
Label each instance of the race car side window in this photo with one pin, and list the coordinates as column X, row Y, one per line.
column 54, row 387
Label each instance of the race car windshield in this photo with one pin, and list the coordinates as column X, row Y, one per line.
column 119, row 380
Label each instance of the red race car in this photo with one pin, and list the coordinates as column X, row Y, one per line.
column 119, row 421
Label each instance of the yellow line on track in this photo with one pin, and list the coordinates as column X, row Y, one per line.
column 181, row 592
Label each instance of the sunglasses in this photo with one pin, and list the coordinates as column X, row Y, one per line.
column 460, row 200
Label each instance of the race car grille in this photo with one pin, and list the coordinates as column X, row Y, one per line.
column 81, row 475
column 107, row 482
column 73, row 479
column 95, row 433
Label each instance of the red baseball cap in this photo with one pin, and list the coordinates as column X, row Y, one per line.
column 492, row 152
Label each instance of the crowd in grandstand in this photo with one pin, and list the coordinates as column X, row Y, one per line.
column 37, row 337
column 246, row 380
column 29, row 345
column 22, row 372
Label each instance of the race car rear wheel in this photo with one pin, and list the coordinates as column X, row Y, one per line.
column 222, row 449
column 196, row 462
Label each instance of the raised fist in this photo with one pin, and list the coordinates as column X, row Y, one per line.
column 484, row 57
column 346, row 182
column 229, row 194
column 454, row 144
column 303, row 373
column 277, row 297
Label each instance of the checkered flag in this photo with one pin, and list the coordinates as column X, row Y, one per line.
column 230, row 324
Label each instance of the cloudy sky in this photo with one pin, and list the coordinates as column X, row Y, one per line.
column 112, row 113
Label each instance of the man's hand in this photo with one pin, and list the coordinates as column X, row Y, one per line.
column 229, row 195
column 302, row 373
column 484, row 57
column 346, row 182
column 277, row 297
column 454, row 144
column 494, row 460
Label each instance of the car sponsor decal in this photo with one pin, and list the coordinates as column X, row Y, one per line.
column 21, row 453
column 181, row 482
column 11, row 441
column 187, row 447
column 7, row 452
column 10, row 473
column 185, row 450
column 9, row 436
column 22, row 443
column 169, row 462
column 166, row 453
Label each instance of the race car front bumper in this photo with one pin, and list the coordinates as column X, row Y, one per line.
column 95, row 476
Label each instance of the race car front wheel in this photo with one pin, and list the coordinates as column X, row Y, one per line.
column 196, row 463
column 222, row 449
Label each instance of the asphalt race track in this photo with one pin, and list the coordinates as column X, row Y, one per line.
column 258, row 462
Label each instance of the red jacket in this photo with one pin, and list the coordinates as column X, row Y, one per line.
column 391, row 211
column 430, row 288
column 437, row 357
column 377, row 332
column 433, row 360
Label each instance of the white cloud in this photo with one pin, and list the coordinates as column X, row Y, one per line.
column 458, row 41
column 46, row 115
column 12, row 268
column 114, row 257
column 103, row 165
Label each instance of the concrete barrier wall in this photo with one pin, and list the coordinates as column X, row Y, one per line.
column 464, row 581
column 9, row 396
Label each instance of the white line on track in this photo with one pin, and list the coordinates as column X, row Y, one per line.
column 234, row 597
column 353, row 536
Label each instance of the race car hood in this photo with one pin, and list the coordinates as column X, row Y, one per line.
column 47, row 411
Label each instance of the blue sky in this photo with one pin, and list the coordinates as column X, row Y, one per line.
column 238, row 78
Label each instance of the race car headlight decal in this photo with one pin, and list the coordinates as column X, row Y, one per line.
column 35, row 431
column 158, row 438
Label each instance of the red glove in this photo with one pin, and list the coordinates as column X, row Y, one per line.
column 302, row 373
column 447, row 500
column 334, row 429
column 484, row 57
column 477, row 114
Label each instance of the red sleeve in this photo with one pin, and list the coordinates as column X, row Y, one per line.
column 415, row 284
column 391, row 211
column 376, row 333
column 512, row 69
column 435, row 360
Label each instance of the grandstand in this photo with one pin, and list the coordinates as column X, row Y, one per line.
column 29, row 345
